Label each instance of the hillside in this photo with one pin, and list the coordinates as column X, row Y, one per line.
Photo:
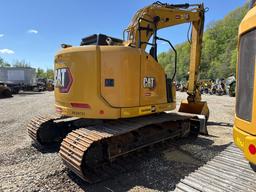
column 219, row 49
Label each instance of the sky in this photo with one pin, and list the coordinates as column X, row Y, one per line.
column 33, row 30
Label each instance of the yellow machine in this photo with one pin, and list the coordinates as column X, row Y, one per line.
column 244, row 131
column 111, row 95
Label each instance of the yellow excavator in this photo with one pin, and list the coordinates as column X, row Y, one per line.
column 112, row 96
column 244, row 131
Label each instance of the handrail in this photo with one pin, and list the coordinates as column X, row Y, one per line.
column 175, row 53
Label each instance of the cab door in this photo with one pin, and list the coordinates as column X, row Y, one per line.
column 153, row 81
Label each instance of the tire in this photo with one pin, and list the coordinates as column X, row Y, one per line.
column 194, row 131
column 232, row 94
column 253, row 166
column 16, row 91
column 7, row 93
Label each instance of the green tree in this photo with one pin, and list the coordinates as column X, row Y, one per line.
column 21, row 63
column 49, row 74
column 40, row 73
column 4, row 63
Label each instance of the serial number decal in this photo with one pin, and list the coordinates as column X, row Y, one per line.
column 78, row 113
column 149, row 82
column 147, row 109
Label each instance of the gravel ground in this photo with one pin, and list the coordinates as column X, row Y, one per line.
column 23, row 168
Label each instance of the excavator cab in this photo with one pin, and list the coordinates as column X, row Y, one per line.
column 244, row 131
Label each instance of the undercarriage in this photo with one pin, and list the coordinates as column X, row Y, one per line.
column 87, row 144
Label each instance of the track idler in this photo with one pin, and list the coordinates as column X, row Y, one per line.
column 52, row 129
column 43, row 130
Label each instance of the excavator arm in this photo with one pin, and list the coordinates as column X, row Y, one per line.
column 150, row 19
column 158, row 16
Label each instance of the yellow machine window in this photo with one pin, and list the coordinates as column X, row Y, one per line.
column 246, row 65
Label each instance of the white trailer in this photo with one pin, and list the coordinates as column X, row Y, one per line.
column 19, row 75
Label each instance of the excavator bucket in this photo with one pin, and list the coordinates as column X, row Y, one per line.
column 200, row 108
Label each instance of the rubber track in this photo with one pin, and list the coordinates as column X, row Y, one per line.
column 36, row 122
column 76, row 144
column 228, row 171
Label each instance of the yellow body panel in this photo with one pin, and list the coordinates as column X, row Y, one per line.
column 90, row 67
column 244, row 132
column 243, row 140
column 150, row 68
column 248, row 21
column 123, row 65
column 146, row 110
column 84, row 65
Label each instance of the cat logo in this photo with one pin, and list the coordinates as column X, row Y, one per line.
column 63, row 79
column 149, row 82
